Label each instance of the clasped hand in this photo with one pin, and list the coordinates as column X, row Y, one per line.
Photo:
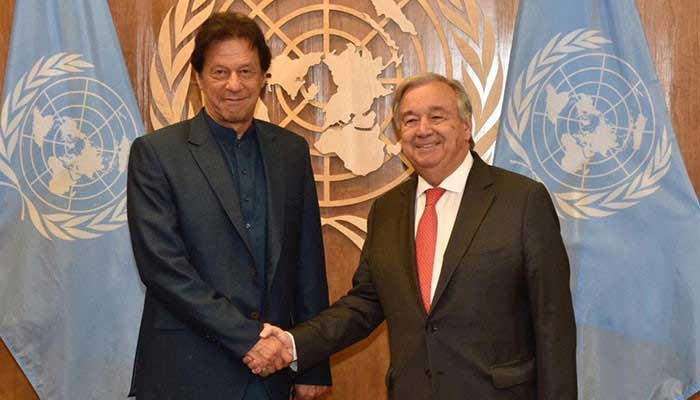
column 272, row 353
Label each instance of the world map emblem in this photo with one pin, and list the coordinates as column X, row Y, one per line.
column 590, row 122
column 66, row 139
column 335, row 66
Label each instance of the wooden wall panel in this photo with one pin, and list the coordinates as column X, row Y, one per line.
column 13, row 383
column 674, row 39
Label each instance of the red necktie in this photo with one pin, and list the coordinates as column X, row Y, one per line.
column 425, row 243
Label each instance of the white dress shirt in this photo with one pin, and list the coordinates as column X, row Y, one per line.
column 446, row 209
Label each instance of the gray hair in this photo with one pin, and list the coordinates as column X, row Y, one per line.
column 464, row 106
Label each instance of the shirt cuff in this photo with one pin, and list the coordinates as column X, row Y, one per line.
column 293, row 366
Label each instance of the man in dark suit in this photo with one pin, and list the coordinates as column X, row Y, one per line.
column 464, row 261
column 225, row 228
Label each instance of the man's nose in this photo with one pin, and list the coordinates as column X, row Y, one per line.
column 233, row 82
column 424, row 126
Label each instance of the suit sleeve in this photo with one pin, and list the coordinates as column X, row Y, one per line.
column 163, row 261
column 312, row 287
column 352, row 318
column 547, row 267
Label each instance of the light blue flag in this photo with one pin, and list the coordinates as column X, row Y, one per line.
column 70, row 297
column 584, row 113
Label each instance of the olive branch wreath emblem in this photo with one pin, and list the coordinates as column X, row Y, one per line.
column 170, row 73
column 63, row 226
column 577, row 204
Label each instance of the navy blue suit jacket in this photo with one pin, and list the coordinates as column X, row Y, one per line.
column 201, row 313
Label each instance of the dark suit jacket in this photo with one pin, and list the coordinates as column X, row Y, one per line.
column 202, row 314
column 501, row 324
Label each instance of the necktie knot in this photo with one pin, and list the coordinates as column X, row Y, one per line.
column 433, row 195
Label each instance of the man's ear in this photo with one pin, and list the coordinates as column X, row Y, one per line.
column 468, row 131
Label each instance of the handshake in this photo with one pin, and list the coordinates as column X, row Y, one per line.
column 273, row 352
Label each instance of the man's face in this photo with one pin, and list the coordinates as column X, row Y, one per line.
column 433, row 137
column 231, row 81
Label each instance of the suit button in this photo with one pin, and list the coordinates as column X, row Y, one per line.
column 248, row 226
column 428, row 373
column 255, row 315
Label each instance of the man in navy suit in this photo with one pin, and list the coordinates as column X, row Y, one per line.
column 226, row 233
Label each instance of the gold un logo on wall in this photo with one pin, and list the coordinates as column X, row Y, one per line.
column 335, row 66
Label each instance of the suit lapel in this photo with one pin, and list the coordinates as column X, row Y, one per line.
column 207, row 154
column 274, row 176
column 476, row 201
column 406, row 230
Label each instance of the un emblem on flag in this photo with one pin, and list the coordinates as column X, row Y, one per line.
column 67, row 138
column 588, row 120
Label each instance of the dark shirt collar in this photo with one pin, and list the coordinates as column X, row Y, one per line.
column 228, row 134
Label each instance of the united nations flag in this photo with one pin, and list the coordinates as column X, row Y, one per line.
column 584, row 114
column 70, row 297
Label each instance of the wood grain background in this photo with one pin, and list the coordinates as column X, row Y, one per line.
column 674, row 39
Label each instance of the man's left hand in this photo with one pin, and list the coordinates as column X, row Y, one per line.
column 308, row 392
